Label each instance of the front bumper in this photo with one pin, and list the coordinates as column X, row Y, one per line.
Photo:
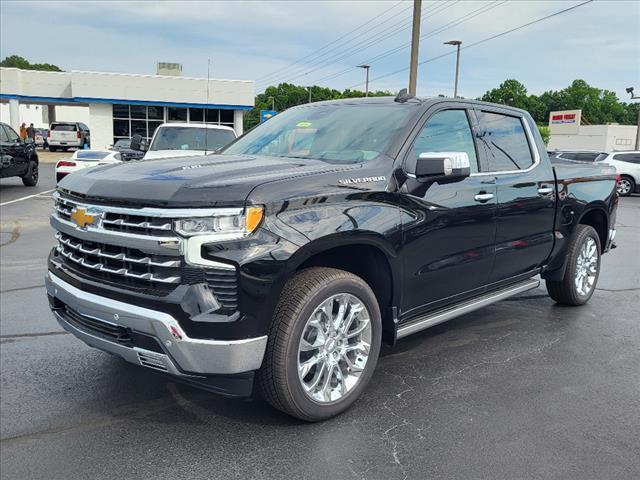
column 176, row 353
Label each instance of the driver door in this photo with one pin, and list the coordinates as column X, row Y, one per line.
column 449, row 228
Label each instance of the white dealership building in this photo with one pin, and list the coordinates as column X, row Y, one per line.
column 119, row 105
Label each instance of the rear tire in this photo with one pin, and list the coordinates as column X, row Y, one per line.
column 317, row 361
column 625, row 186
column 52, row 148
column 582, row 270
column 31, row 177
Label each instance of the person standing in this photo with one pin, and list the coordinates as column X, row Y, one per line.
column 23, row 131
column 31, row 133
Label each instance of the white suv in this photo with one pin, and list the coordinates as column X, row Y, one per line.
column 63, row 135
column 628, row 167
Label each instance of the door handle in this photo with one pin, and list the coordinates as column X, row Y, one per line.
column 483, row 197
column 545, row 190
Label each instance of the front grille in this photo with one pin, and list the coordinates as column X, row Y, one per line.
column 121, row 222
column 97, row 252
column 111, row 261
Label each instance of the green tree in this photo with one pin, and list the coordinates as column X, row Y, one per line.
column 286, row 95
column 510, row 92
column 17, row 61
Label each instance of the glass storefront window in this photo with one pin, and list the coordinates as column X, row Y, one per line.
column 121, row 128
column 155, row 113
column 175, row 114
column 120, row 111
column 139, row 111
column 226, row 116
column 196, row 115
column 212, row 115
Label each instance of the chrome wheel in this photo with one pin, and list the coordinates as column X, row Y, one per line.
column 624, row 186
column 586, row 267
column 334, row 348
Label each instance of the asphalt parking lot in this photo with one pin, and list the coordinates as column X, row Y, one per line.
column 522, row 389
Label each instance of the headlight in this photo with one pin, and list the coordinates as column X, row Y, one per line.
column 236, row 225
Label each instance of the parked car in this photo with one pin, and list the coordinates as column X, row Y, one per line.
column 587, row 156
column 82, row 159
column 287, row 258
column 123, row 146
column 627, row 165
column 18, row 157
column 188, row 139
column 65, row 135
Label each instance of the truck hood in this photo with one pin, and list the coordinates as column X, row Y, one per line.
column 190, row 181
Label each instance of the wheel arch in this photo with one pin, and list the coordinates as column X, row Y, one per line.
column 369, row 256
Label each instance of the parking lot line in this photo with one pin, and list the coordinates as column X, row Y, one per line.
column 25, row 198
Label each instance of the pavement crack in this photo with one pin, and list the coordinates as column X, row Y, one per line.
column 15, row 234
column 619, row 289
column 31, row 335
column 21, row 288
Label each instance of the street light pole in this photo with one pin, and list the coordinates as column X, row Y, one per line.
column 309, row 87
column 366, row 88
column 636, row 97
column 457, row 43
column 415, row 44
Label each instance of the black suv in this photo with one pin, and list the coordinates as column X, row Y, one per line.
column 19, row 158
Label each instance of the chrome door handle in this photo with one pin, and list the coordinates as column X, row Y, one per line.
column 545, row 190
column 483, row 197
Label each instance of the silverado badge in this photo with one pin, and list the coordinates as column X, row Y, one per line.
column 82, row 217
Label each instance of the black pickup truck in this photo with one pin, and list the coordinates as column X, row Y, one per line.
column 18, row 158
column 281, row 265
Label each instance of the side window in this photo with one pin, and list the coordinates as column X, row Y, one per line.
column 504, row 141
column 628, row 157
column 446, row 131
column 11, row 135
column 3, row 134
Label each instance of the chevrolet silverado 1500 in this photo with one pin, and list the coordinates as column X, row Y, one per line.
column 281, row 264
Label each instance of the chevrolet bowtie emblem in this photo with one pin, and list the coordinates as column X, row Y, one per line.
column 83, row 218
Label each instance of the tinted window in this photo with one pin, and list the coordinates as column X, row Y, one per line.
column 176, row 114
column 601, row 157
column 89, row 155
column 64, row 127
column 338, row 133
column 504, row 142
column 3, row 134
column 628, row 157
column 586, row 157
column 11, row 134
column 446, row 131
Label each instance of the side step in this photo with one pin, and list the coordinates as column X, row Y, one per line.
column 467, row 306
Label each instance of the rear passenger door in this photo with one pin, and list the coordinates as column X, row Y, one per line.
column 510, row 151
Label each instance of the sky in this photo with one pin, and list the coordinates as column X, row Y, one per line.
column 322, row 42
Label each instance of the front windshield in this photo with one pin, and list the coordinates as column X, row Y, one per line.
column 191, row 138
column 336, row 132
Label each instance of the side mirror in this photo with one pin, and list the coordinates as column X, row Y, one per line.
column 442, row 166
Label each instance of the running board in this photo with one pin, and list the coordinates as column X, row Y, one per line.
column 467, row 306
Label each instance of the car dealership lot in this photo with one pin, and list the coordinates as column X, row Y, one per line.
column 520, row 389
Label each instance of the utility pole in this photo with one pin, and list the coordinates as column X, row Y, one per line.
column 309, row 87
column 636, row 97
column 457, row 43
column 415, row 43
column 366, row 88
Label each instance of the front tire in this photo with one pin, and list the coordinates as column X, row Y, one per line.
column 625, row 186
column 30, row 179
column 52, row 149
column 323, row 346
column 582, row 271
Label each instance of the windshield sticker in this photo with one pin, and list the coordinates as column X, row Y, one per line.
column 349, row 181
column 303, row 124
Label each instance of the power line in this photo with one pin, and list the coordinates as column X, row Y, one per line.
column 339, row 38
column 366, row 43
column 481, row 41
column 442, row 28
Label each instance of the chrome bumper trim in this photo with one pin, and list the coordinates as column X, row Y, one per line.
column 190, row 355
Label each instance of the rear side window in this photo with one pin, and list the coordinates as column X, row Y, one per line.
column 3, row 134
column 628, row 157
column 91, row 155
column 64, row 127
column 446, row 131
column 504, row 142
